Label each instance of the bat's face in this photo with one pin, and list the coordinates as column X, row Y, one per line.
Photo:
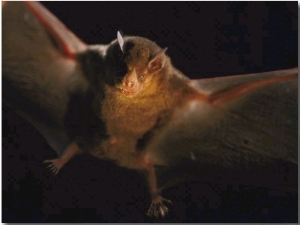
column 132, row 70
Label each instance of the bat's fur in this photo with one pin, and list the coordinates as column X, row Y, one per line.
column 134, row 93
column 132, row 121
column 115, row 102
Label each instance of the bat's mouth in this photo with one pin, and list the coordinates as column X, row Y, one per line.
column 126, row 92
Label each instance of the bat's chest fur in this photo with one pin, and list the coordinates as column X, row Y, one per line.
column 128, row 117
column 127, row 121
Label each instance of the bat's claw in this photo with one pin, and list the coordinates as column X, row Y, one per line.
column 55, row 165
column 158, row 208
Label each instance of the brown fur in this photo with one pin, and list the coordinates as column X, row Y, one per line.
column 131, row 120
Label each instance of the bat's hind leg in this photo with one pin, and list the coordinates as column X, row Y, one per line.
column 157, row 207
column 56, row 164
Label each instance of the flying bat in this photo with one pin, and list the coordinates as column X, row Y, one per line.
column 218, row 123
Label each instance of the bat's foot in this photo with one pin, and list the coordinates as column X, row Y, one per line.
column 55, row 165
column 158, row 208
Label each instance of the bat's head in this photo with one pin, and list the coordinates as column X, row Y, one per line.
column 134, row 64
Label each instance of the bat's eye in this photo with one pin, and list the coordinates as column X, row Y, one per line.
column 142, row 77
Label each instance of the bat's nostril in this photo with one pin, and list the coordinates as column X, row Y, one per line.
column 129, row 83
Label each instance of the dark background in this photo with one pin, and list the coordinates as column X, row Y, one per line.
column 204, row 39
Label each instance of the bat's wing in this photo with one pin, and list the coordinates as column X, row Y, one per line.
column 241, row 123
column 39, row 70
column 238, row 122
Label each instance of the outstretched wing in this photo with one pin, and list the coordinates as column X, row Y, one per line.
column 244, row 122
column 40, row 71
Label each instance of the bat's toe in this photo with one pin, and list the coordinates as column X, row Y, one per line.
column 54, row 165
column 158, row 207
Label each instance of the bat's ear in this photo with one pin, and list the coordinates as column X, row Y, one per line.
column 120, row 40
column 157, row 61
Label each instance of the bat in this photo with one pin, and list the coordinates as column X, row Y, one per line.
column 219, row 106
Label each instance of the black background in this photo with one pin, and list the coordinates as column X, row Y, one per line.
column 204, row 39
